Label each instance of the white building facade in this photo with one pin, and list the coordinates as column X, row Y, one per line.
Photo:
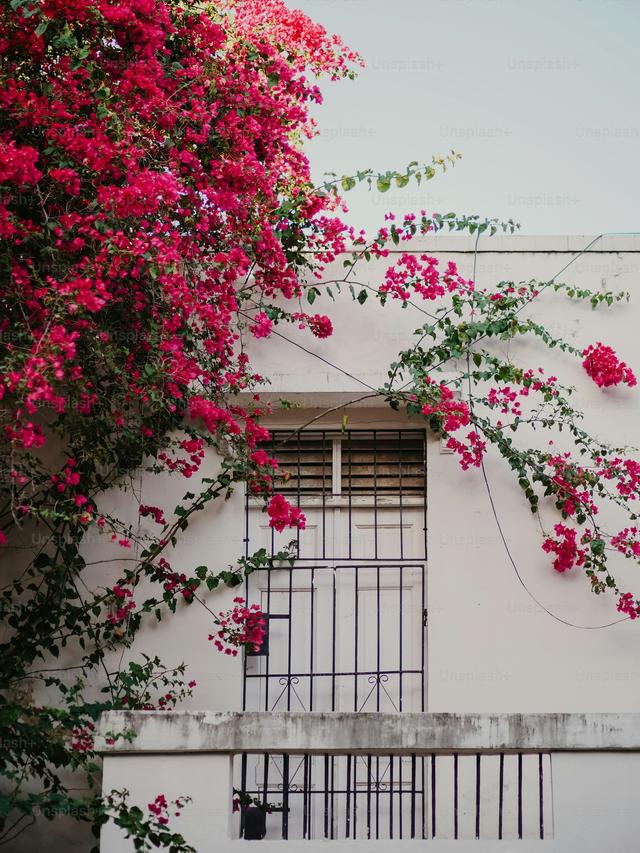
column 427, row 676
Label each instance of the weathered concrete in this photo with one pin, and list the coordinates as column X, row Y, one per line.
column 206, row 731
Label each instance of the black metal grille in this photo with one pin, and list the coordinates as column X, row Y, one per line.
column 341, row 638
column 379, row 797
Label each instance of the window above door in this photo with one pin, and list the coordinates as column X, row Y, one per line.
column 380, row 463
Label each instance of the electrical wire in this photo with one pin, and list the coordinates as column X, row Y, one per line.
column 319, row 357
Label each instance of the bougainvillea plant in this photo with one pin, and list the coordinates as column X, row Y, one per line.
column 156, row 213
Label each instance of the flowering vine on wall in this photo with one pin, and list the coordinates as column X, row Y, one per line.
column 156, row 211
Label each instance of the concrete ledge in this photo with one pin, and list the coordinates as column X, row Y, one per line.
column 231, row 732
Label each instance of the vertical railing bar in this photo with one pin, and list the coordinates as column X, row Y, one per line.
column 391, row 796
column 377, row 797
column 400, row 800
column 243, row 787
column 309, row 795
column 355, row 796
column 423, row 797
column 413, row 796
column 369, row 796
column 541, row 792
column 265, row 779
column 326, row 796
column 333, row 785
column 348, row 803
column 455, row 796
column 500, row 796
column 478, row 758
column 433, row 796
column 285, row 797
column 305, row 793
column 520, row 795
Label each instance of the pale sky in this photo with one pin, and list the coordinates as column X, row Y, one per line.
column 539, row 96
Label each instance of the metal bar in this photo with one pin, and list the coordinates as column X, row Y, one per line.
column 243, row 787
column 305, row 798
column 333, row 778
column 541, row 793
column 355, row 796
column 455, row 796
column 501, row 796
column 330, row 673
column 333, row 645
column 378, row 638
column 413, row 796
column 348, row 805
column 424, row 799
column 326, row 796
column 312, row 801
column 391, row 796
column 400, row 642
column 324, row 496
column 433, row 796
column 400, row 800
column 285, row 797
column 267, row 659
column 377, row 797
column 265, row 779
column 289, row 637
column 312, row 637
column 520, row 795
column 375, row 495
column 369, row 759
column 478, row 795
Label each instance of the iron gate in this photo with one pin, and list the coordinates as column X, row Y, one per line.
column 345, row 624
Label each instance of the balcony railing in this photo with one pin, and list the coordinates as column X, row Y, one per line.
column 497, row 781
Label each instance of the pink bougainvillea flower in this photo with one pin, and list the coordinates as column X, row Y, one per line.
column 605, row 368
